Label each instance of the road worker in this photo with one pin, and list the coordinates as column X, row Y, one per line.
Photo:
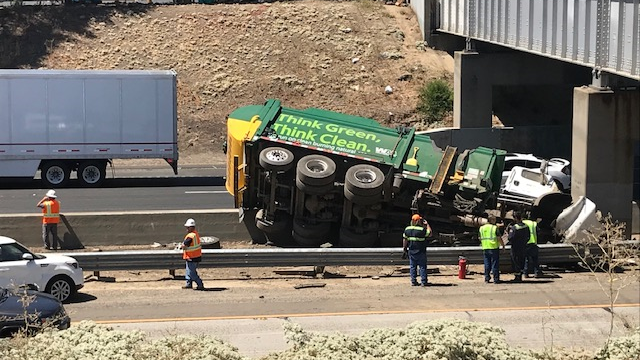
column 50, row 218
column 192, row 254
column 531, row 249
column 518, row 238
column 414, row 243
column 491, row 240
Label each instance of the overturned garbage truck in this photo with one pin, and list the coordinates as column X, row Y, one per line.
column 311, row 177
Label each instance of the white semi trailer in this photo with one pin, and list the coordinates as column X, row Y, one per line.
column 61, row 121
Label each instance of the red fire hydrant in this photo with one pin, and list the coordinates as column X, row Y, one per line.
column 462, row 267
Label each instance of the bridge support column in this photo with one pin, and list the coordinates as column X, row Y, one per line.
column 472, row 101
column 606, row 123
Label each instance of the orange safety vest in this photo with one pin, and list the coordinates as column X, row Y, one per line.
column 195, row 250
column 50, row 212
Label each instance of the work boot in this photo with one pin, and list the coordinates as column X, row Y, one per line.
column 187, row 287
column 518, row 278
column 414, row 283
column 199, row 288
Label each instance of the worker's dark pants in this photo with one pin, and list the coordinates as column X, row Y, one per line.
column 418, row 261
column 517, row 259
column 531, row 259
column 491, row 264
column 50, row 229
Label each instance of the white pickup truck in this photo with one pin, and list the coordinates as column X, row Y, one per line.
column 61, row 121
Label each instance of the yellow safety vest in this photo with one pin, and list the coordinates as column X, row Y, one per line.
column 489, row 237
column 532, row 225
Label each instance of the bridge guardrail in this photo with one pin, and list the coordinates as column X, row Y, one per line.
column 230, row 258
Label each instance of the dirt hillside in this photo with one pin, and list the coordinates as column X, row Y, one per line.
column 333, row 55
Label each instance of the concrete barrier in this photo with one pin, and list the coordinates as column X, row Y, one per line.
column 77, row 230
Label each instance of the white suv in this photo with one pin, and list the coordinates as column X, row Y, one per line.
column 558, row 169
column 58, row 275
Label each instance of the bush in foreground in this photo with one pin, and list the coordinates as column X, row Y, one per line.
column 437, row 340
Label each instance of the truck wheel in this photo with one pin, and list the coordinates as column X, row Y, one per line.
column 269, row 227
column 55, row 173
column 92, row 173
column 316, row 170
column 364, row 180
column 305, row 229
column 315, row 189
column 276, row 159
column 348, row 238
column 362, row 199
column 307, row 241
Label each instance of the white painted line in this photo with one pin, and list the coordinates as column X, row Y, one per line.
column 207, row 192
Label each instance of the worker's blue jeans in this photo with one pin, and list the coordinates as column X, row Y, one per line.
column 491, row 264
column 192, row 274
column 418, row 261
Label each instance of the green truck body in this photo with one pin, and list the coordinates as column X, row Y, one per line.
column 310, row 177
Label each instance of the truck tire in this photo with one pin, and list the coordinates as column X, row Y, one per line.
column 364, row 180
column 314, row 189
column 276, row 159
column 269, row 227
column 55, row 173
column 92, row 173
column 305, row 229
column 307, row 241
column 316, row 170
column 351, row 239
column 362, row 199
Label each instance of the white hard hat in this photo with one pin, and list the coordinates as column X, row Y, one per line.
column 190, row 222
column 51, row 194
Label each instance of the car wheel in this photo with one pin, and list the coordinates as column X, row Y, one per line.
column 61, row 287
column 276, row 159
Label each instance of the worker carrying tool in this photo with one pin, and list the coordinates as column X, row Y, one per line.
column 414, row 243
column 50, row 218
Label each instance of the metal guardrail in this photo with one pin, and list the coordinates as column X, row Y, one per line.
column 231, row 258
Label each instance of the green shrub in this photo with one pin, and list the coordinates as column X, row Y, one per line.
column 435, row 100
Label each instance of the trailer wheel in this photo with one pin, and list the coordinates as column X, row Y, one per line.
column 315, row 189
column 276, row 159
column 364, row 180
column 92, row 173
column 55, row 173
column 316, row 170
column 349, row 238
column 362, row 199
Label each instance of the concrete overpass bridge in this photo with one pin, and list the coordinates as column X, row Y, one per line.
column 563, row 75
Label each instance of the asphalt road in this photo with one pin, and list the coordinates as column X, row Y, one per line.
column 128, row 189
column 247, row 306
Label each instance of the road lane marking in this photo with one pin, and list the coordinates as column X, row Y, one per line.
column 207, row 192
column 348, row 313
